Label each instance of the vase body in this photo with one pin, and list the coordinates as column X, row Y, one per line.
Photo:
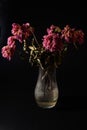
column 46, row 90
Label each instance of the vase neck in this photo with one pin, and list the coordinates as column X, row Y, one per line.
column 51, row 73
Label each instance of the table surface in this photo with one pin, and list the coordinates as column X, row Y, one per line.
column 18, row 111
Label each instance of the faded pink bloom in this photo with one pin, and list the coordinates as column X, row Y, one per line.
column 67, row 33
column 55, row 41
column 78, row 37
column 21, row 32
column 19, row 37
column 16, row 29
column 26, row 30
column 52, row 42
column 52, row 29
column 7, row 51
column 11, row 41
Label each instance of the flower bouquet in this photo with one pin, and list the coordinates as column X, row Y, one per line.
column 47, row 55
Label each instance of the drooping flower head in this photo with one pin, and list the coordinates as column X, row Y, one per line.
column 71, row 35
column 52, row 40
column 67, row 34
column 78, row 37
column 8, row 51
column 21, row 32
column 16, row 31
column 11, row 41
column 26, row 30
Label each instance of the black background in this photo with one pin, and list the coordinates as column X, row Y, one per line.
column 18, row 110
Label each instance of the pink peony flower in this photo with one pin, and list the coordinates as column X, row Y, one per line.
column 11, row 41
column 16, row 29
column 21, row 32
column 67, row 34
column 8, row 51
column 52, row 42
column 78, row 37
column 26, row 30
column 53, row 29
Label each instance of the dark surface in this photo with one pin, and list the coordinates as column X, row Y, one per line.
column 18, row 110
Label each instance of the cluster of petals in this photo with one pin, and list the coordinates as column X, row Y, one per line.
column 78, row 37
column 71, row 35
column 8, row 51
column 53, row 29
column 52, row 42
column 11, row 41
column 19, row 33
column 56, row 37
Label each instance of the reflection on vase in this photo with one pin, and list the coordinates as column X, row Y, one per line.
column 46, row 90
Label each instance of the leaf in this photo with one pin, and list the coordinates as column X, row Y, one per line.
column 58, row 30
column 32, row 48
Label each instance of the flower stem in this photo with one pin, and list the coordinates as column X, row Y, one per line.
column 75, row 46
column 35, row 38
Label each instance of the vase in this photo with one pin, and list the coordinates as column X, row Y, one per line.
column 46, row 89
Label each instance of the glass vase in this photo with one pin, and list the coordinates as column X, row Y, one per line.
column 46, row 89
